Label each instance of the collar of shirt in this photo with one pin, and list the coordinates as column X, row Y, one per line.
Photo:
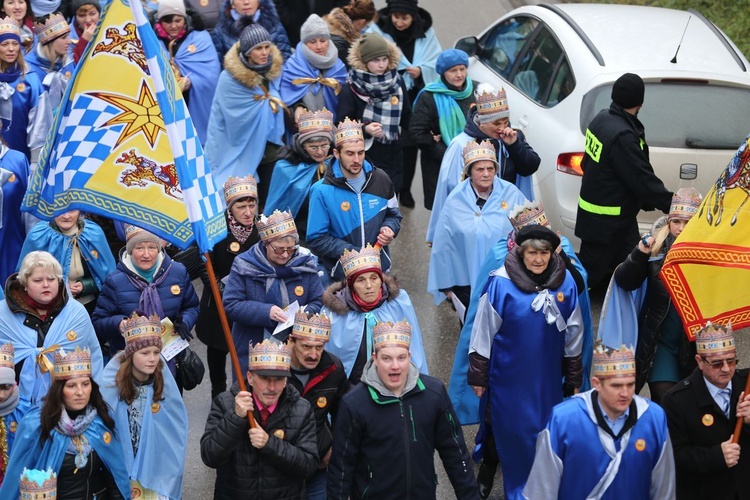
column 714, row 391
column 618, row 423
column 260, row 406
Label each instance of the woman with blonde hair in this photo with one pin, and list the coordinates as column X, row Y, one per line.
column 50, row 58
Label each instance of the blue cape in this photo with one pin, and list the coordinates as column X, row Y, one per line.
column 160, row 462
column 426, row 52
column 464, row 401
column 618, row 322
column 298, row 66
column 465, row 234
column 28, row 89
column 72, row 328
column 197, row 59
column 13, row 182
column 30, row 453
column 92, row 242
column 290, row 185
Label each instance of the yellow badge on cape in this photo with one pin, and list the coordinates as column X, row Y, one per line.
column 12, row 178
column 107, row 438
column 95, row 254
column 322, row 402
column 13, row 426
column 204, row 3
column 234, row 246
column 394, row 100
column 67, row 75
column 21, row 87
column 504, row 205
column 191, row 48
column 345, row 206
column 279, row 433
column 72, row 335
column 175, row 289
column 640, row 444
column 707, row 420
column 298, row 291
column 560, row 296
column 155, row 407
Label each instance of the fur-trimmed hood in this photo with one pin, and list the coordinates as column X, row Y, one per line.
column 340, row 24
column 356, row 62
column 333, row 297
column 245, row 75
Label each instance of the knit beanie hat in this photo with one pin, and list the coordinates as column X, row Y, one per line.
column 628, row 91
column 314, row 27
column 171, row 7
column 405, row 6
column 135, row 235
column 253, row 35
column 372, row 46
column 449, row 58
column 77, row 4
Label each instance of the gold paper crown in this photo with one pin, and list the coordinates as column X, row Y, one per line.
column 714, row 340
column 611, row 363
column 528, row 214
column 348, row 130
column 38, row 485
column 53, row 27
column 240, row 187
column 7, row 356
column 277, row 225
column 315, row 327
column 73, row 364
column 9, row 27
column 477, row 151
column 269, row 355
column 354, row 262
column 312, row 123
column 387, row 334
column 137, row 328
column 492, row 105
column 685, row 203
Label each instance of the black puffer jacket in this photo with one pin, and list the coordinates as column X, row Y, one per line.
column 275, row 472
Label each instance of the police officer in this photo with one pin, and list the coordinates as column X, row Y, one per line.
column 618, row 181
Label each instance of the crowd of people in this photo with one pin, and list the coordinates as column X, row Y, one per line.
column 313, row 115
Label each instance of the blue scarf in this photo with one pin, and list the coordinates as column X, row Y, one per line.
column 451, row 118
column 11, row 74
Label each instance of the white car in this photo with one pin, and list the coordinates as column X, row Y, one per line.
column 558, row 63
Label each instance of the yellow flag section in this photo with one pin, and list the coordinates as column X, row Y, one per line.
column 707, row 270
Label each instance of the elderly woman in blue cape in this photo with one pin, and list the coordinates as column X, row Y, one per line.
column 355, row 305
column 73, row 434
column 474, row 216
column 14, row 175
column 247, row 116
column 313, row 76
column 150, row 417
column 79, row 245
column 38, row 317
column 193, row 58
column 50, row 59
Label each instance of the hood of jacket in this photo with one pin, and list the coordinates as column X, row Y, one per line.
column 420, row 25
column 355, row 57
column 333, row 298
column 245, row 75
column 15, row 297
column 340, row 24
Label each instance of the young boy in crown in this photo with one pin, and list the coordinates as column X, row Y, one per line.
column 12, row 406
column 606, row 442
column 390, row 426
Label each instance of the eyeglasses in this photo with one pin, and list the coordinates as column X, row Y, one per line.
column 320, row 147
column 282, row 251
column 717, row 364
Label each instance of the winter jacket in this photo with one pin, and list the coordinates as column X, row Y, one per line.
column 347, row 220
column 275, row 472
column 384, row 446
column 75, row 483
column 326, row 385
column 254, row 286
column 618, row 180
column 119, row 298
column 226, row 34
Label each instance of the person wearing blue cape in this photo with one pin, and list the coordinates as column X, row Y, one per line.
column 38, row 316
column 50, row 59
column 314, row 75
column 151, row 421
column 524, row 350
column 14, row 175
column 489, row 119
column 355, row 305
column 439, row 115
column 301, row 164
column 73, row 434
column 247, row 116
column 475, row 215
column 79, row 245
column 193, row 58
column 12, row 406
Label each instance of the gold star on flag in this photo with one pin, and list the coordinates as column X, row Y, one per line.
column 141, row 115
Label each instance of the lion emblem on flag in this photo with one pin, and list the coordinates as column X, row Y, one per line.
column 124, row 43
column 148, row 171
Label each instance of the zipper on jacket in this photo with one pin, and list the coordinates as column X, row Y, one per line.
column 406, row 446
column 359, row 202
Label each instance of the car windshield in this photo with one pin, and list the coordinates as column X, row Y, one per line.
column 680, row 115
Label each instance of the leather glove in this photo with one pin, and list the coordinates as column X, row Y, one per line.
column 182, row 329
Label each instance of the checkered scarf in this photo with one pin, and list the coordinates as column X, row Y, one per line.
column 380, row 92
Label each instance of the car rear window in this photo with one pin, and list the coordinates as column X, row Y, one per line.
column 684, row 115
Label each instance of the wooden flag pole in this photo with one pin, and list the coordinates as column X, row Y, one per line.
column 227, row 333
column 740, row 421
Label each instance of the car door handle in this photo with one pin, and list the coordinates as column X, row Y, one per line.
column 523, row 122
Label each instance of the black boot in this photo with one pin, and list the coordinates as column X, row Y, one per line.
column 406, row 199
column 485, row 478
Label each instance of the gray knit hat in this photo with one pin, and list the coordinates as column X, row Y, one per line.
column 314, row 27
column 135, row 235
column 253, row 35
column 372, row 46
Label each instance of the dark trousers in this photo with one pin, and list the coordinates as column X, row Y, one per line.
column 409, row 167
column 601, row 259
column 217, row 371
column 430, row 173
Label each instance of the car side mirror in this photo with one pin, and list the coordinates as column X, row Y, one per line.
column 470, row 45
